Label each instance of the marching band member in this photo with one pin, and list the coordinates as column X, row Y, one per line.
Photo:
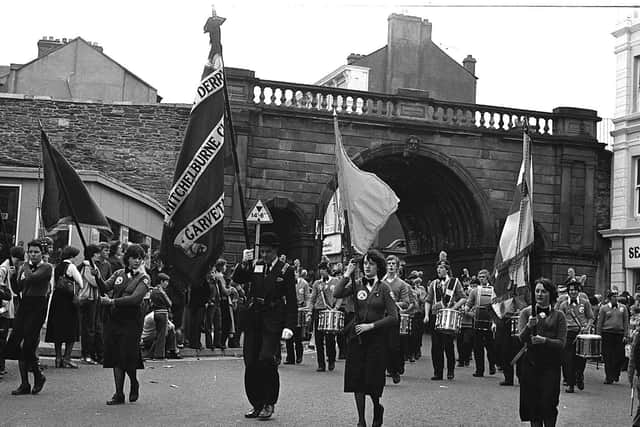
column 400, row 294
column 482, row 338
column 443, row 292
column 33, row 283
column 464, row 340
column 544, row 331
column 579, row 317
column 322, row 299
column 294, row 345
column 507, row 343
column 375, row 311
column 271, row 315
column 613, row 327
column 123, row 329
column 417, row 310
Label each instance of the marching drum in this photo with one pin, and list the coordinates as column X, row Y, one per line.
column 589, row 346
column 448, row 321
column 482, row 319
column 330, row 321
column 405, row 324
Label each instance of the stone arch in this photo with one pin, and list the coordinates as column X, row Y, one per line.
column 290, row 224
column 471, row 220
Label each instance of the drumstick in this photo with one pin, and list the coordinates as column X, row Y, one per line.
column 632, row 389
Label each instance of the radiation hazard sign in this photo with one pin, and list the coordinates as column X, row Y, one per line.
column 260, row 214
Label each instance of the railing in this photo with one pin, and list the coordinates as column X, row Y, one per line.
column 371, row 104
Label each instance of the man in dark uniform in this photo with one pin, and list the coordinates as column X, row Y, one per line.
column 271, row 314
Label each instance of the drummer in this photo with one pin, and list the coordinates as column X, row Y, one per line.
column 613, row 327
column 443, row 292
column 579, row 315
column 322, row 299
column 400, row 294
column 294, row 345
column 479, row 302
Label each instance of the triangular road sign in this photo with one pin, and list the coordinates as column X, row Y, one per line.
column 260, row 214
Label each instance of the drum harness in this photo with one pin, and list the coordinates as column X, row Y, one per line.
column 575, row 319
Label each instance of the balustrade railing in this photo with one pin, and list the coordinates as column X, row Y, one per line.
column 345, row 101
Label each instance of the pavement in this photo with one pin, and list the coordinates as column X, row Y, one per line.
column 209, row 392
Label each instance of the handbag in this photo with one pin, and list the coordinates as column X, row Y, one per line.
column 68, row 286
column 86, row 292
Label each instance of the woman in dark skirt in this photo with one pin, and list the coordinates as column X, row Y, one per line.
column 544, row 332
column 33, row 282
column 63, row 323
column 375, row 310
column 127, row 288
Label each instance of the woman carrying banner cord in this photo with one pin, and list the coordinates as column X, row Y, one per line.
column 375, row 311
column 123, row 328
column 543, row 330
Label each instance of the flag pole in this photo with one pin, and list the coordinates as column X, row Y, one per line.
column 65, row 192
column 236, row 165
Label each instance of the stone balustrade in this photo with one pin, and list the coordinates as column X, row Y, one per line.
column 407, row 105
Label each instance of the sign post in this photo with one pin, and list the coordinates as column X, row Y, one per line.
column 259, row 215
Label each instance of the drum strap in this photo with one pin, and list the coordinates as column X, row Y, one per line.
column 324, row 300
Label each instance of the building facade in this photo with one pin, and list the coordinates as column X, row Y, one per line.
column 624, row 233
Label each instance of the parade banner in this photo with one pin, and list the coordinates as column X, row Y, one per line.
column 65, row 195
column 192, row 238
column 367, row 200
column 512, row 257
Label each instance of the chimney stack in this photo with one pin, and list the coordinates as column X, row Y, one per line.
column 470, row 64
column 353, row 57
column 47, row 44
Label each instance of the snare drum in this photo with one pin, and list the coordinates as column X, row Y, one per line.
column 405, row 324
column 482, row 319
column 448, row 321
column 330, row 321
column 589, row 346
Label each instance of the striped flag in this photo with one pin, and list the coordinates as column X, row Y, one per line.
column 367, row 200
column 192, row 238
column 512, row 257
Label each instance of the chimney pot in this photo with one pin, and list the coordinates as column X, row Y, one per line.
column 353, row 57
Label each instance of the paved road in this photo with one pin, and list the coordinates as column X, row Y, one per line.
column 209, row 392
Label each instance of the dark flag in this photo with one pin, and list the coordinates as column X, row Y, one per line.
column 65, row 195
column 192, row 238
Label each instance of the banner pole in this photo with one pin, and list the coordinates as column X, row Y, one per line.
column 256, row 249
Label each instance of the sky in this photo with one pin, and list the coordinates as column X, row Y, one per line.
column 530, row 58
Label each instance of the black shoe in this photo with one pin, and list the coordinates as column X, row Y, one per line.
column 38, row 383
column 608, row 381
column 467, row 362
column 505, row 382
column 253, row 413
column 580, row 384
column 565, row 383
column 23, row 389
column 299, row 360
column 478, row 374
column 569, row 389
column 117, row 399
column 492, row 370
column 436, row 378
column 401, row 370
column 134, row 393
column 378, row 413
column 332, row 366
column 450, row 375
column 321, row 369
column 289, row 362
column 266, row 412
column 396, row 378
column 412, row 359
column 174, row 355
column 460, row 365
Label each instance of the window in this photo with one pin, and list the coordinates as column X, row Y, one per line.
column 9, row 211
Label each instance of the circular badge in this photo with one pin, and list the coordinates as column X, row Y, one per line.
column 542, row 315
column 145, row 281
column 119, row 280
column 621, row 309
column 581, row 309
column 301, row 290
column 362, row 295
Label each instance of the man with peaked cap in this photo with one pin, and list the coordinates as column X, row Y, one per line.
column 271, row 315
